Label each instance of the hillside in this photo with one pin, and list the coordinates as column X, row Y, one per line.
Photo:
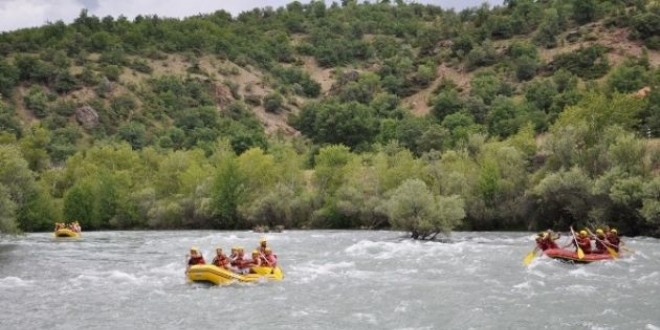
column 370, row 77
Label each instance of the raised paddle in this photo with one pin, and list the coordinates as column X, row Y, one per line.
column 580, row 253
column 530, row 256
column 606, row 244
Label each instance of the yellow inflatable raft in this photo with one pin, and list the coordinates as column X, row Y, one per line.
column 216, row 275
column 66, row 232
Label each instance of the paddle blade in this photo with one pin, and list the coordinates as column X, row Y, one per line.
column 529, row 257
column 612, row 252
column 580, row 253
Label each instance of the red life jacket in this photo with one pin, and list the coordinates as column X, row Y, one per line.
column 600, row 246
column 238, row 262
column 196, row 261
column 271, row 260
column 585, row 244
column 614, row 240
column 220, row 261
column 541, row 244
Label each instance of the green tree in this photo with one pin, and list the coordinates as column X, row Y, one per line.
column 134, row 133
column 18, row 184
column 562, row 199
column 9, row 76
column 413, row 208
column 584, row 11
column 228, row 193
column 628, row 78
column 79, row 206
column 7, row 212
column 447, row 103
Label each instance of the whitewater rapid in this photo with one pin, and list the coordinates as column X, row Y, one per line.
column 333, row 280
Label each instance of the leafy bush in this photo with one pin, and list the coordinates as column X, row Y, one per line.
column 587, row 63
column 141, row 66
column 628, row 78
column 252, row 99
column 37, row 101
column 112, row 72
column 9, row 75
column 273, row 102
column 64, row 108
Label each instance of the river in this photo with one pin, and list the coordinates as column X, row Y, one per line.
column 333, row 280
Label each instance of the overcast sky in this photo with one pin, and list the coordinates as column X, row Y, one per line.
column 16, row 14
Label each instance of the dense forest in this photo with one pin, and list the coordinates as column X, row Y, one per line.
column 525, row 116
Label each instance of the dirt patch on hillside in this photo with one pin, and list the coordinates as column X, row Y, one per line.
column 275, row 122
column 418, row 102
column 319, row 74
column 615, row 39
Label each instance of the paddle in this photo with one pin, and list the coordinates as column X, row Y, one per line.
column 530, row 256
column 580, row 253
column 606, row 244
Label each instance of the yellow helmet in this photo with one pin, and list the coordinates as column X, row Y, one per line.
column 583, row 233
column 255, row 252
column 262, row 240
column 613, row 230
column 194, row 248
column 239, row 248
column 218, row 248
column 268, row 250
column 599, row 231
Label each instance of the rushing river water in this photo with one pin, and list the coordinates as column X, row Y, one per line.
column 333, row 280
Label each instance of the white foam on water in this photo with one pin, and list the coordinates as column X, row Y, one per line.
column 169, row 270
column 12, row 281
column 407, row 248
column 299, row 313
column 402, row 307
column 651, row 278
column 369, row 318
column 408, row 271
column 122, row 277
column 360, row 274
column 313, row 270
column 523, row 285
column 580, row 289
column 581, row 272
column 609, row 311
column 652, row 327
column 600, row 327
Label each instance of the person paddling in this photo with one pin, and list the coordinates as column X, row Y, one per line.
column 584, row 241
column 239, row 263
column 220, row 259
column 600, row 242
column 270, row 259
column 263, row 244
column 195, row 258
column 581, row 241
column 255, row 261
column 613, row 238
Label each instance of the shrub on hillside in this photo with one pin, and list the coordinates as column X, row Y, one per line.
column 587, row 63
column 273, row 102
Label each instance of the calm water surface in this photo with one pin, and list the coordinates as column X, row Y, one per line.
column 333, row 280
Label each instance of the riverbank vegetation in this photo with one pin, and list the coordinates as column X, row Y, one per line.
column 532, row 115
